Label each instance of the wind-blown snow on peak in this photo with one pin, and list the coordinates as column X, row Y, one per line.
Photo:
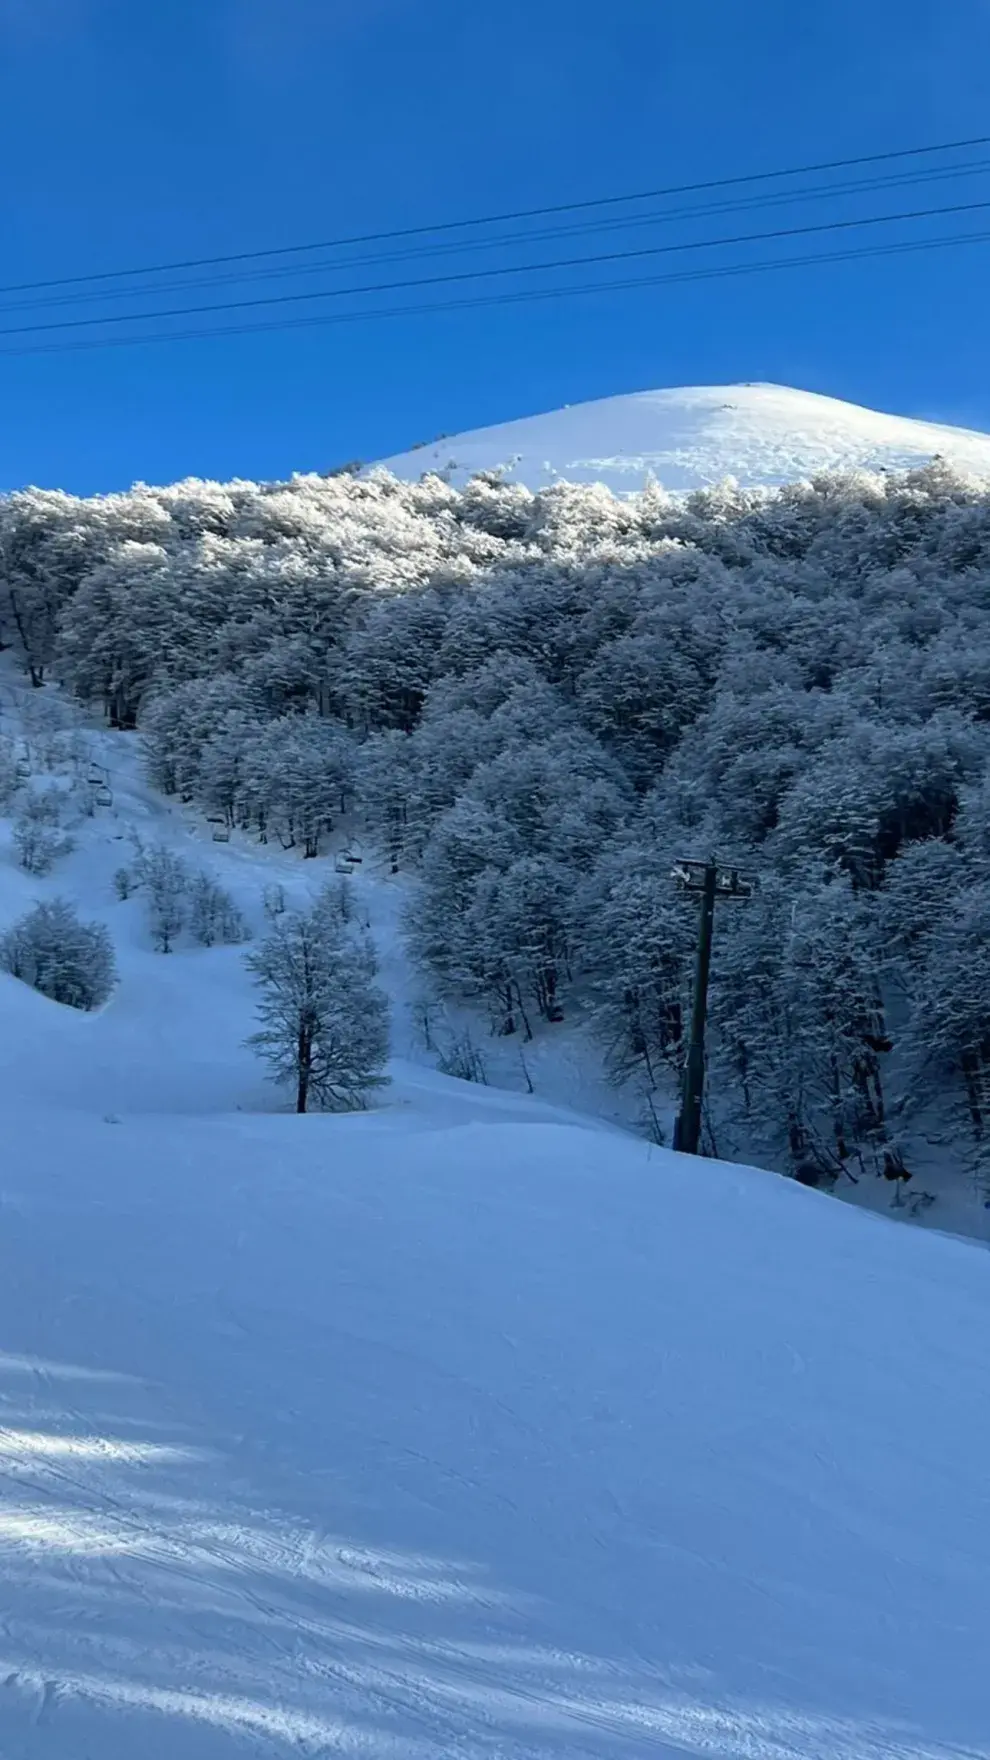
column 697, row 435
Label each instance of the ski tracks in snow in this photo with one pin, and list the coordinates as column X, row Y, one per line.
column 221, row 1607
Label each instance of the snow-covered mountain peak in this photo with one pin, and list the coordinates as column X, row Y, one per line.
column 695, row 435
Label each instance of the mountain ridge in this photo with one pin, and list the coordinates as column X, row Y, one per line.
column 691, row 437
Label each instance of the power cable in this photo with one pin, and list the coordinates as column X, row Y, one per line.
column 834, row 191
column 513, row 215
column 520, row 297
column 465, row 275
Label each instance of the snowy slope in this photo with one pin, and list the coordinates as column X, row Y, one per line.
column 466, row 1428
column 759, row 434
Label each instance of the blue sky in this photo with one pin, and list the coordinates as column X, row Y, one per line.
column 168, row 129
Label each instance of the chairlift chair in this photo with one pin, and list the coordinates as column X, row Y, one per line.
column 103, row 796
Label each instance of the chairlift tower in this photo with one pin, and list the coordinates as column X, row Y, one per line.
column 710, row 882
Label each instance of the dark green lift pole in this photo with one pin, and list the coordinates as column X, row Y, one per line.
column 689, row 1124
column 712, row 882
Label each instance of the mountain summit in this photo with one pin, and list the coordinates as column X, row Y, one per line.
column 697, row 435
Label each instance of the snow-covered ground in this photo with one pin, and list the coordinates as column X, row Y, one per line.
column 697, row 435
column 468, row 1427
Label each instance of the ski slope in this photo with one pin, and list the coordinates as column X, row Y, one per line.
column 694, row 436
column 465, row 1429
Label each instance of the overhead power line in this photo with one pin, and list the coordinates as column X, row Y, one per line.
column 514, row 215
column 471, row 275
column 520, row 297
column 616, row 223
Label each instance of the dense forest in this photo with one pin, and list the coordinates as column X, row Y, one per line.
column 538, row 703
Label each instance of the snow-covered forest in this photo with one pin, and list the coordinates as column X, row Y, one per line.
column 536, row 704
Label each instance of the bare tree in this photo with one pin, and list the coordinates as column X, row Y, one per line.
column 324, row 1021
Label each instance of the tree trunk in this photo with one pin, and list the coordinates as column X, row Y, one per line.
column 971, row 1075
column 521, row 1007
column 35, row 673
column 304, row 1065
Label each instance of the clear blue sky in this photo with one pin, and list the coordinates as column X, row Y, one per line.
column 140, row 132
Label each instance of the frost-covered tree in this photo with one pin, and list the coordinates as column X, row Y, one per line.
column 801, row 1030
column 213, row 916
column 297, row 778
column 324, row 1020
column 936, row 920
column 68, row 960
column 639, row 938
column 165, row 878
column 522, row 917
column 386, row 771
column 40, row 836
column 12, row 772
column 448, row 933
column 532, row 703
column 756, row 1053
column 47, row 541
column 274, row 902
column 493, row 913
column 178, row 725
column 222, row 780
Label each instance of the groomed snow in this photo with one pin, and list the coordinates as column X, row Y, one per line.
column 697, row 435
column 467, row 1429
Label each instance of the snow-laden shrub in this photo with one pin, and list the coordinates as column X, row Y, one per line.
column 64, row 958
column 124, row 883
